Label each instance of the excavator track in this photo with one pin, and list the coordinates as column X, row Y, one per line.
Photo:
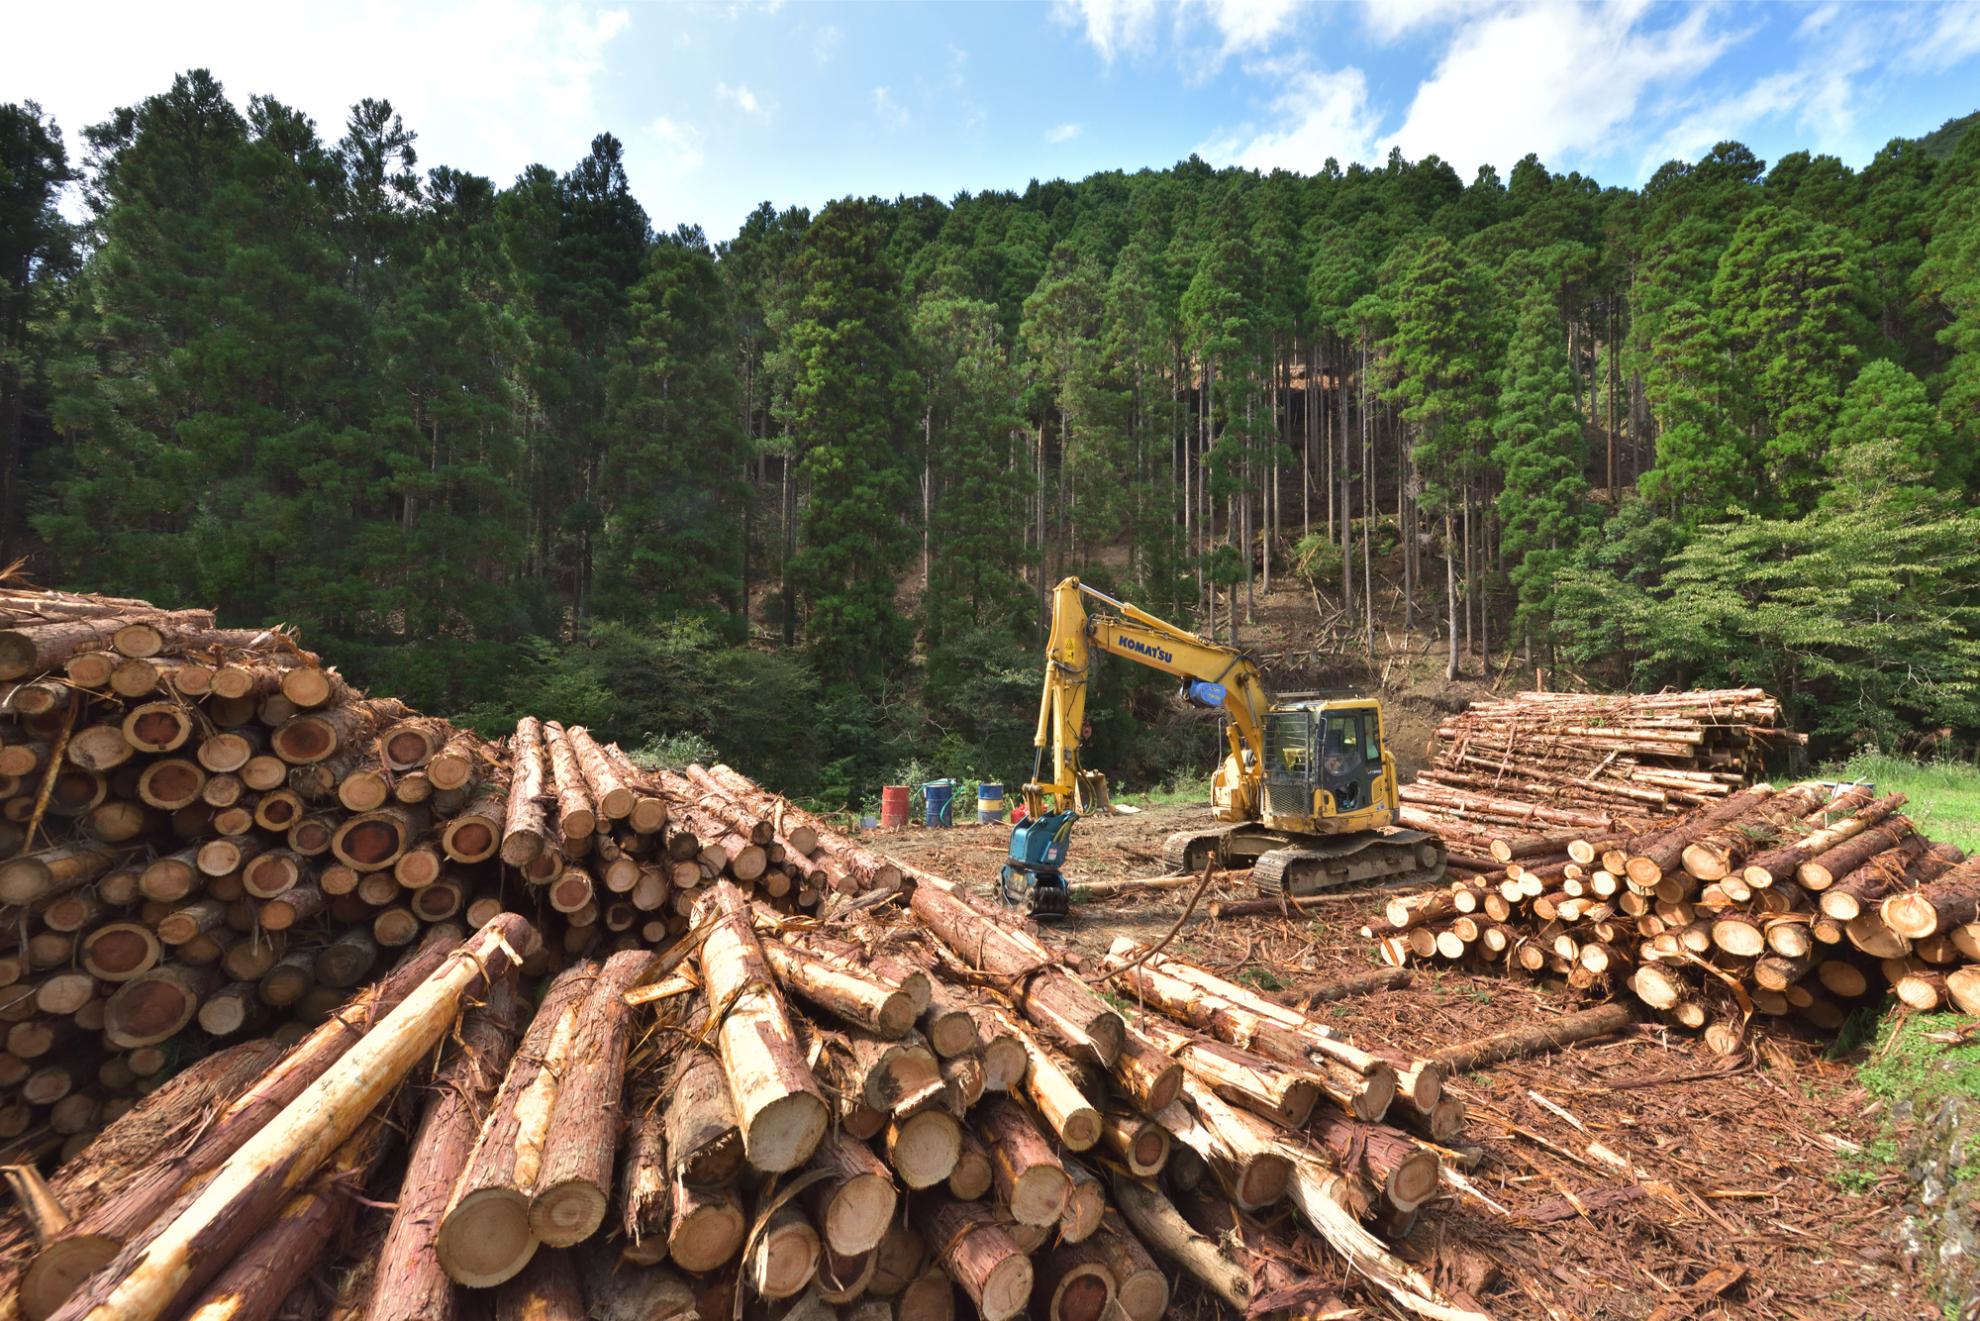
column 1303, row 865
column 1323, row 862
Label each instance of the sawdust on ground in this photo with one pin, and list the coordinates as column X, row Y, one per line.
column 1631, row 1179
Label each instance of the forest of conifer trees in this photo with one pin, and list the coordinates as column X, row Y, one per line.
column 498, row 446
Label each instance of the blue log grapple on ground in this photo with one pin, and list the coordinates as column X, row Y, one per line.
column 1031, row 878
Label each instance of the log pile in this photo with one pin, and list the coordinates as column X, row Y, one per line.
column 209, row 835
column 1799, row 902
column 743, row 1120
column 668, row 1046
column 1607, row 763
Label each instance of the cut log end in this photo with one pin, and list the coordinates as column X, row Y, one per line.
column 567, row 1213
column 487, row 1239
column 782, row 1135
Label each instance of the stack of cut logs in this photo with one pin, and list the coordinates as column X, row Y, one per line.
column 1801, row 901
column 880, row 1114
column 209, row 835
column 641, row 1044
column 1616, row 760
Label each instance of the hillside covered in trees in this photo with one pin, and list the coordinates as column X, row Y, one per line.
column 499, row 447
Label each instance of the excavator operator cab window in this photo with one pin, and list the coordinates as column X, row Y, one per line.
column 1344, row 758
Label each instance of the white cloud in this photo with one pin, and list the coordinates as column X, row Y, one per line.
column 1388, row 20
column 891, row 112
column 676, row 145
column 1317, row 114
column 1955, row 37
column 1111, row 26
column 826, row 43
column 741, row 97
column 1554, row 78
column 1248, row 25
column 1062, row 133
column 488, row 86
column 1819, row 94
column 1115, row 27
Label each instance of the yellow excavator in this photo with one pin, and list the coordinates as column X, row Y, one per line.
column 1306, row 793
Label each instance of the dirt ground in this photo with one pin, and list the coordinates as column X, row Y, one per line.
column 1638, row 1177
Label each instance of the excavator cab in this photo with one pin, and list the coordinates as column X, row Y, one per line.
column 1322, row 760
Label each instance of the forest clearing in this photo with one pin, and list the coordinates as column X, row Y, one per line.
column 775, row 1064
column 1154, row 677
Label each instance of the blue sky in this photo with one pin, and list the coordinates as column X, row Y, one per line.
column 724, row 105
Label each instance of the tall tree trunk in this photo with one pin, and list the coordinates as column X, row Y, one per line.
column 1467, row 565
column 787, row 535
column 1451, row 596
column 1306, row 448
column 1038, row 507
column 1368, row 522
column 1347, row 504
column 927, row 492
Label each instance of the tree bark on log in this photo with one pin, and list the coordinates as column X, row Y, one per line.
column 1940, row 906
column 1666, row 850
column 1779, row 864
column 1821, row 871
column 980, row 1255
column 858, row 1000
column 607, row 788
column 307, row 739
column 574, row 1187
column 779, row 1108
column 548, row 1290
column 1538, row 1038
column 255, row 1284
column 854, row 1201
column 525, row 831
column 1025, row 970
column 704, row 1143
column 645, row 1186
column 485, row 1236
column 156, row 1274
column 1311, row 1192
column 1030, row 1180
column 35, row 648
column 154, row 1131
column 1163, row 1229
column 411, row 1283
column 576, row 816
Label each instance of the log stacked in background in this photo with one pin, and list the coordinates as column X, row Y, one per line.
column 1548, row 767
column 1801, row 902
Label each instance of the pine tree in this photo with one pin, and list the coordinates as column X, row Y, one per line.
column 853, row 396
column 1705, row 464
column 452, row 354
column 1947, row 283
column 1541, row 459
column 672, row 489
column 1789, row 299
column 1887, row 438
column 37, row 252
column 1441, row 378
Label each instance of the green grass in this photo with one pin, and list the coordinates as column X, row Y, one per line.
column 1944, row 796
column 1183, row 790
column 1922, row 1058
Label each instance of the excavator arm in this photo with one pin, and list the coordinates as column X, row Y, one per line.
column 1212, row 675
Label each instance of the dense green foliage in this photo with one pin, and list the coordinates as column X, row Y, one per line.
column 800, row 493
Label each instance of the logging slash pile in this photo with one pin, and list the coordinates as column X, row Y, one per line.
column 628, row 1044
column 1799, row 902
column 1588, row 760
